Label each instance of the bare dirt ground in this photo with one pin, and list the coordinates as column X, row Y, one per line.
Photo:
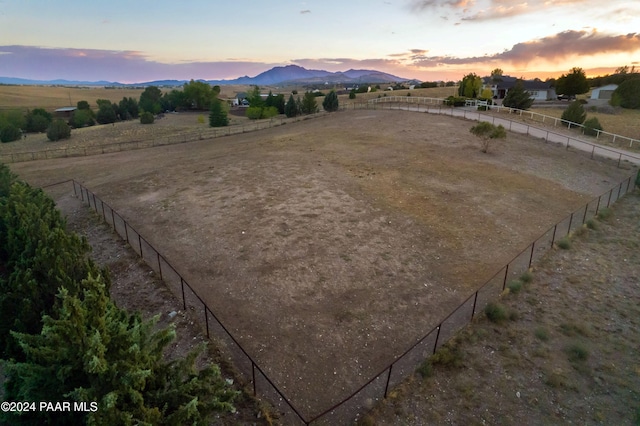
column 135, row 287
column 329, row 246
column 570, row 356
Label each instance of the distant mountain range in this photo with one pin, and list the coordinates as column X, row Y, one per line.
column 286, row 75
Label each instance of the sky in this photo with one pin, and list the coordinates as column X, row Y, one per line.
column 429, row 40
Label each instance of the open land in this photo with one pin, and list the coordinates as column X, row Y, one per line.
column 331, row 245
column 569, row 356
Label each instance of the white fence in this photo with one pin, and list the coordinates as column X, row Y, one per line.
column 600, row 134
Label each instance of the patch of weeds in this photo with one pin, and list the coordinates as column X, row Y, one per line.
column 604, row 214
column 367, row 421
column 592, row 224
column 345, row 257
column 526, row 277
column 542, row 334
column 540, row 352
column 577, row 352
column 514, row 315
column 448, row 355
column 573, row 329
column 515, row 286
column 496, row 312
column 556, row 380
column 425, row 369
column 580, row 231
column 564, row 243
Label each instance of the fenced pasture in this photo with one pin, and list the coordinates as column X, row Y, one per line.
column 329, row 247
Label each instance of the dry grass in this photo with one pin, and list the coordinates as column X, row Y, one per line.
column 625, row 122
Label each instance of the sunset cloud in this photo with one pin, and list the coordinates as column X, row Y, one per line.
column 553, row 48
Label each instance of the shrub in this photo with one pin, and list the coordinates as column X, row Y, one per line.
column 82, row 118
column 254, row 113
column 627, row 95
column 147, row 118
column 518, row 97
column 574, row 113
column 448, row 355
column 592, row 224
column 577, row 352
column 495, row 312
column 591, row 126
column 38, row 120
column 542, row 334
column 564, row 243
column 515, row 286
column 425, row 369
column 526, row 277
column 9, row 133
column 57, row 130
column 604, row 214
column 352, row 94
column 455, row 101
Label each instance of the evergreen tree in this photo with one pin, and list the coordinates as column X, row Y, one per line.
column 291, row 108
column 150, row 100
column 517, row 97
column 92, row 351
column 217, row 115
column 37, row 256
column 330, row 102
column 574, row 113
column 309, row 104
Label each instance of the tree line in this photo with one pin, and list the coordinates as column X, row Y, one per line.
column 63, row 339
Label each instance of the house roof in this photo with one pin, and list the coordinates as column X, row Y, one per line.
column 507, row 82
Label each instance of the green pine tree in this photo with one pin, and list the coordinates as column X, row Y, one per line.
column 574, row 113
column 330, row 102
column 217, row 115
column 517, row 97
column 291, row 108
column 92, row 351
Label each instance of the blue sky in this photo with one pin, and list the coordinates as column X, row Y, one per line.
column 133, row 41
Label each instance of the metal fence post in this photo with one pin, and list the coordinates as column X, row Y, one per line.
column 584, row 218
column 570, row 221
column 159, row 265
column 473, row 311
column 609, row 201
column 386, row 388
column 139, row 244
column 206, row 319
column 506, row 273
column 435, row 345
column 184, row 300
column 533, row 247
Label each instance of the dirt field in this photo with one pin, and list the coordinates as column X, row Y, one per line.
column 329, row 246
column 570, row 357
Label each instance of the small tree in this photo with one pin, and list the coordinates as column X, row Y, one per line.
column 573, row 83
column 38, row 120
column 488, row 132
column 517, row 97
column 57, row 130
column 217, row 115
column 82, row 118
column 291, row 108
column 591, row 126
column 106, row 113
column 470, row 86
column 574, row 113
column 352, row 94
column 330, row 102
column 147, row 118
column 309, row 104
column 150, row 100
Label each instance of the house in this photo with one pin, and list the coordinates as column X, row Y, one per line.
column 539, row 90
column 603, row 92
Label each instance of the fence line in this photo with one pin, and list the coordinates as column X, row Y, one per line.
column 403, row 365
column 499, row 108
column 514, row 126
column 208, row 133
column 181, row 289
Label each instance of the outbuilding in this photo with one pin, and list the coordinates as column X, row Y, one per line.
column 603, row 92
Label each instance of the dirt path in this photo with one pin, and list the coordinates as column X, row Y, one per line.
column 569, row 357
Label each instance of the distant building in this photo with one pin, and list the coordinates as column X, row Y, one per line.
column 603, row 92
column 539, row 90
column 64, row 112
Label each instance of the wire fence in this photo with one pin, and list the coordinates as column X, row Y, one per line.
column 202, row 134
column 423, row 104
column 378, row 386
